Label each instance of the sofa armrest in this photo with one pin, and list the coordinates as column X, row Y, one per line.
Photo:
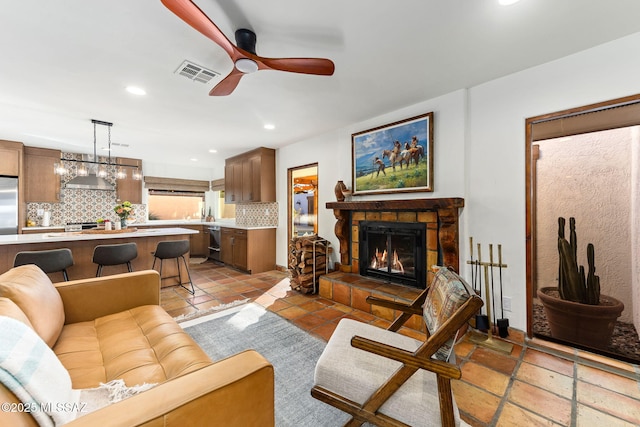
column 88, row 299
column 234, row 392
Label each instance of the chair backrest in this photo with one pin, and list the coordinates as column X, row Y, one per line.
column 115, row 254
column 446, row 296
column 49, row 261
column 171, row 249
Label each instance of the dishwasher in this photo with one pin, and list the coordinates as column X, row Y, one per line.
column 214, row 242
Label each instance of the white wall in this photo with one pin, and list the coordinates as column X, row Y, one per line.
column 479, row 150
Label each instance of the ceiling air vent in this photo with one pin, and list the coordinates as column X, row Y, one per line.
column 195, row 72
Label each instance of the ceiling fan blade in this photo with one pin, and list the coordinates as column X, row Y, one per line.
column 194, row 16
column 319, row 66
column 228, row 84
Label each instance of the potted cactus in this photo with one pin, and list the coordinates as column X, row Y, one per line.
column 575, row 310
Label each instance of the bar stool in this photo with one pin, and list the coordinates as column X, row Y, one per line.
column 49, row 261
column 174, row 249
column 116, row 254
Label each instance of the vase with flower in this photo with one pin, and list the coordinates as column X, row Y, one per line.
column 123, row 211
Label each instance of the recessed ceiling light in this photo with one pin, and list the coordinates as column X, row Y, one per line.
column 136, row 90
column 194, row 159
column 213, row 151
column 507, row 2
column 269, row 126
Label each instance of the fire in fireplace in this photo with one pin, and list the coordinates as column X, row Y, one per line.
column 393, row 251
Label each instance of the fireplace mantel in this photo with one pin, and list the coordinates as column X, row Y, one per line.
column 447, row 222
column 399, row 205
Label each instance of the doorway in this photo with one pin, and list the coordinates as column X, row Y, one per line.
column 302, row 200
column 583, row 164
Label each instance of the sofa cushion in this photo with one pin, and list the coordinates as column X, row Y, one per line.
column 9, row 308
column 356, row 374
column 141, row 345
column 31, row 290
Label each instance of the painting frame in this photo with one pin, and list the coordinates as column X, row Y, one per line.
column 406, row 141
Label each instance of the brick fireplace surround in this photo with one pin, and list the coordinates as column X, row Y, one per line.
column 348, row 287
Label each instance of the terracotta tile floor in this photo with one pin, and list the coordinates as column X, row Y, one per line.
column 538, row 384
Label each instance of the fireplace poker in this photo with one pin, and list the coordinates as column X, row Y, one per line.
column 493, row 300
column 473, row 265
column 474, row 278
column 503, row 323
column 482, row 320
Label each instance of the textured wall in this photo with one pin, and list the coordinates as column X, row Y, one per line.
column 588, row 177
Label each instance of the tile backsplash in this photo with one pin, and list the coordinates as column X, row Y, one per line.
column 81, row 206
column 257, row 214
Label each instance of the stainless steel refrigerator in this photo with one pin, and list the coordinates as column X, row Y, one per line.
column 8, row 205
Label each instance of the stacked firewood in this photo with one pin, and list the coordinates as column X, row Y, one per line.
column 302, row 260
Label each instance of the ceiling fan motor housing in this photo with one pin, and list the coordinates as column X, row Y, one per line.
column 246, row 40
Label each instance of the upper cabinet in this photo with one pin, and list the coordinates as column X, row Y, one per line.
column 41, row 184
column 129, row 189
column 251, row 177
column 10, row 158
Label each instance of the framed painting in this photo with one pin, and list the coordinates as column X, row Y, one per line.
column 397, row 157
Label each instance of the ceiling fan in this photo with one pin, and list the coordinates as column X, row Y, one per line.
column 243, row 54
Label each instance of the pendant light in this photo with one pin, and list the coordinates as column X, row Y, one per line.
column 101, row 169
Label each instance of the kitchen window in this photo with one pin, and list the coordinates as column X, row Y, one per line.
column 175, row 199
column 172, row 205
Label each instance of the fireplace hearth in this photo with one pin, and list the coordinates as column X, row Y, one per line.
column 393, row 251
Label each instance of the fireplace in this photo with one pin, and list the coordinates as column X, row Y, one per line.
column 393, row 251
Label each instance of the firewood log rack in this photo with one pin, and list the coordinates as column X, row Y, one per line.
column 306, row 266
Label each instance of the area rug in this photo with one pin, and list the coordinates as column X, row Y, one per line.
column 292, row 352
column 218, row 308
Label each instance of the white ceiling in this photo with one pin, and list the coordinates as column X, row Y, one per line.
column 66, row 62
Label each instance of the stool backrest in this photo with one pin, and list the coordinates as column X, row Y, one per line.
column 171, row 249
column 49, row 261
column 115, row 254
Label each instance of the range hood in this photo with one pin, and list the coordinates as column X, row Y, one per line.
column 89, row 182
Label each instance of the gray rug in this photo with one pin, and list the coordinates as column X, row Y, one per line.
column 291, row 351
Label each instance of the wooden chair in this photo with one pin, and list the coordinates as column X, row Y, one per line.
column 388, row 379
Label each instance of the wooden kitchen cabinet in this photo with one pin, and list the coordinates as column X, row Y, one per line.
column 251, row 177
column 233, row 181
column 253, row 251
column 11, row 158
column 41, row 184
column 198, row 243
column 129, row 189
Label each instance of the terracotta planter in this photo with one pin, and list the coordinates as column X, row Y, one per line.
column 588, row 325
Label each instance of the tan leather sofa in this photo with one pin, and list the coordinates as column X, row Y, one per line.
column 112, row 327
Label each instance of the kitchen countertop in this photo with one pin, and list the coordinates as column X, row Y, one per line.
column 71, row 236
column 162, row 223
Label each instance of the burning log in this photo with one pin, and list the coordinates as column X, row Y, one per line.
column 307, row 254
column 397, row 265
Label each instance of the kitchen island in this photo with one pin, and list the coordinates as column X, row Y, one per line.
column 82, row 244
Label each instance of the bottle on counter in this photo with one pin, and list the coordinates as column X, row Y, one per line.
column 107, row 225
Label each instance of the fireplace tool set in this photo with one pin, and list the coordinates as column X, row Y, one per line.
column 483, row 321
